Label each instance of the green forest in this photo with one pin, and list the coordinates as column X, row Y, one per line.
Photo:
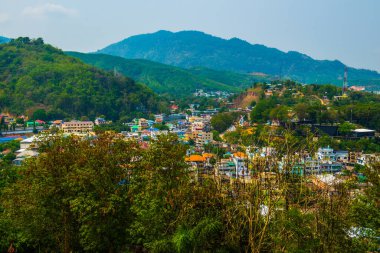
column 34, row 75
column 188, row 49
column 168, row 79
column 109, row 195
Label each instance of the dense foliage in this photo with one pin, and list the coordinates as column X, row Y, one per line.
column 294, row 102
column 193, row 49
column 7, row 150
column 222, row 121
column 162, row 78
column 34, row 75
column 107, row 194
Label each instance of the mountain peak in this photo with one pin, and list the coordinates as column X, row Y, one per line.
column 189, row 49
column 4, row 39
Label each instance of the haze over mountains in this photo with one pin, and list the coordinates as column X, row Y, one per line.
column 4, row 40
column 189, row 49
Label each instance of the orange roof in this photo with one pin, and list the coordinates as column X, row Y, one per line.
column 195, row 158
column 240, row 155
column 207, row 155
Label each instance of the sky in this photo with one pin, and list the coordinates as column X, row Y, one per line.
column 347, row 30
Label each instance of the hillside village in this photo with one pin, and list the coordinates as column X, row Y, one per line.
column 175, row 142
column 210, row 152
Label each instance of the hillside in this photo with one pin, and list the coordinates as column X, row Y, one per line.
column 189, row 49
column 3, row 40
column 163, row 78
column 35, row 75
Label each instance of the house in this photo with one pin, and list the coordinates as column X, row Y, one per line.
column 326, row 154
column 240, row 161
column 357, row 88
column 57, row 122
column 28, row 148
column 134, row 128
column 143, row 124
column 100, row 121
column 159, row 118
column 174, row 107
column 197, row 126
column 342, row 156
column 197, row 161
column 366, row 159
column 28, row 143
column 40, row 122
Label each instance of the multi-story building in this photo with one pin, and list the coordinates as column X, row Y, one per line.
column 143, row 124
column 326, row 154
column 203, row 138
column 197, row 126
column 77, row 127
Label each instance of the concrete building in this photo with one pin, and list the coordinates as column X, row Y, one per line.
column 326, row 154
column 77, row 127
column 203, row 138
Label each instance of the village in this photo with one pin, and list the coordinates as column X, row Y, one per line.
column 207, row 154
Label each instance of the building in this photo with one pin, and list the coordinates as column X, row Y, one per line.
column 77, row 127
column 363, row 133
column 159, row 118
column 240, row 161
column 143, row 124
column 28, row 143
column 342, row 156
column 197, row 126
column 203, row 138
column 366, row 159
column 326, row 154
column 100, row 121
column 28, row 148
column 357, row 88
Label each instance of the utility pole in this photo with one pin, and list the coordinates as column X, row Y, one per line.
column 345, row 85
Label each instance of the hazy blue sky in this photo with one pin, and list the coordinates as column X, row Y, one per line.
column 348, row 30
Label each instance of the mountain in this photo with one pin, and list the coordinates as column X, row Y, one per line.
column 163, row 78
column 189, row 49
column 4, row 40
column 34, row 75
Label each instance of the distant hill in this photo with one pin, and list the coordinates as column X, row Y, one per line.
column 35, row 75
column 189, row 49
column 163, row 78
column 4, row 40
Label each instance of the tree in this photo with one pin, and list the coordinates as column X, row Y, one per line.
column 81, row 201
column 39, row 114
column 158, row 188
column 222, row 121
column 346, row 128
column 365, row 211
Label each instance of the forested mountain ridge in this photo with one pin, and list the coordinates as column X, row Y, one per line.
column 163, row 78
column 192, row 49
column 36, row 75
column 3, row 40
